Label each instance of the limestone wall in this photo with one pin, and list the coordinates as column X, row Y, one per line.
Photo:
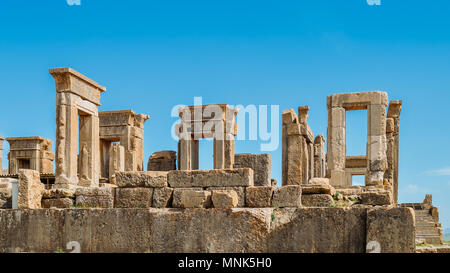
column 207, row 230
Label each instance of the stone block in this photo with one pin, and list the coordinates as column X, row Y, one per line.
column 287, row 196
column 319, row 181
column 376, row 124
column 176, row 200
column 240, row 191
column 5, row 198
column 133, row 198
column 336, row 117
column 195, row 199
column 58, row 193
column 259, row 197
column 318, row 189
column 162, row 161
column 63, row 203
column 94, row 197
column 224, row 199
column 337, row 178
column 242, row 177
column 289, row 116
column 162, row 197
column 317, row 200
column 259, row 163
column 358, row 100
column 391, row 230
column 30, row 189
column 376, row 198
column 152, row 179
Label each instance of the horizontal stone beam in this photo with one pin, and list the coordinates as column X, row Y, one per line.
column 241, row 177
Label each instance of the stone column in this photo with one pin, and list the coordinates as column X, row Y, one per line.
column 229, row 151
column 2, row 139
column 395, row 108
column 336, row 146
column 295, row 150
column 319, row 156
column 219, row 154
column 116, row 161
column 66, row 170
column 376, row 144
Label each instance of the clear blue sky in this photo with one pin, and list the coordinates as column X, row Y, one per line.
column 152, row 55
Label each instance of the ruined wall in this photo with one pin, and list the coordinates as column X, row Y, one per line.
column 207, row 230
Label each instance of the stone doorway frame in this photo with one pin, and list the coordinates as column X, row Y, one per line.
column 375, row 102
column 77, row 129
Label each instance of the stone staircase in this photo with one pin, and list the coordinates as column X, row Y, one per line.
column 427, row 230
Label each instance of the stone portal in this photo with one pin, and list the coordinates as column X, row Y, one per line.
column 33, row 153
column 77, row 129
column 215, row 121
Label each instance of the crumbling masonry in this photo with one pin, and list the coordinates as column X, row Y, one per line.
column 99, row 163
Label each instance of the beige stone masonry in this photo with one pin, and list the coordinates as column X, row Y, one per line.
column 259, row 163
column 287, row 196
column 30, row 189
column 259, row 197
column 298, row 150
column 196, row 199
column 242, row 177
column 77, row 125
column 126, row 128
column 133, row 197
column 154, row 179
column 34, row 153
column 162, row 161
column 224, row 199
column 215, row 121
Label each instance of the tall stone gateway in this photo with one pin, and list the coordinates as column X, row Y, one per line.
column 77, row 129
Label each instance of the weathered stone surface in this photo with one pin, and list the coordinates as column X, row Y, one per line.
column 287, row 196
column 376, row 198
column 211, row 178
column 196, row 199
column 238, row 230
column 259, row 197
column 240, row 191
column 317, row 200
column 154, row 179
column 357, row 100
column 393, row 229
column 162, row 161
column 58, row 193
column 5, row 198
column 176, row 201
column 317, row 189
column 30, row 189
column 33, row 153
column 57, row 203
column 133, row 197
column 224, row 199
column 162, row 197
column 259, row 163
column 94, row 197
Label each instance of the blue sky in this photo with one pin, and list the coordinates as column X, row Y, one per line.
column 153, row 55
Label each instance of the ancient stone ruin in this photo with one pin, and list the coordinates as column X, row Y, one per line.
column 100, row 195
